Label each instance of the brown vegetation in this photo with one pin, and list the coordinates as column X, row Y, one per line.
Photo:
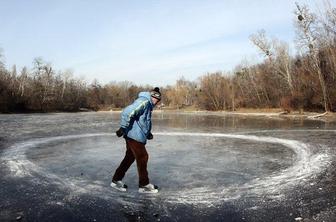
column 304, row 82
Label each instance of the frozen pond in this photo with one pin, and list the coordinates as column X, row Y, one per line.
column 208, row 168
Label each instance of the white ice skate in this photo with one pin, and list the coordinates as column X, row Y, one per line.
column 119, row 185
column 149, row 188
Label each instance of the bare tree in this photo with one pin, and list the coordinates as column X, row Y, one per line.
column 215, row 91
column 183, row 93
column 307, row 40
column 23, row 81
column 277, row 54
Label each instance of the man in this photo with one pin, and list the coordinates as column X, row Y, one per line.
column 135, row 126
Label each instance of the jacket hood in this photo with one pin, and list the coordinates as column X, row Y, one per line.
column 146, row 95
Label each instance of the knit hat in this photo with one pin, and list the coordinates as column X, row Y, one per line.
column 156, row 93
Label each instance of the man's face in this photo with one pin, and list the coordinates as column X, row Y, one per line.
column 155, row 101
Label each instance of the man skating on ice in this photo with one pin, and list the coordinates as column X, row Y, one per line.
column 135, row 126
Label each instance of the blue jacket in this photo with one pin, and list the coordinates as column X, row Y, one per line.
column 136, row 118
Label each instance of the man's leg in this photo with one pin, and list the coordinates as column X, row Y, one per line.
column 141, row 156
column 125, row 164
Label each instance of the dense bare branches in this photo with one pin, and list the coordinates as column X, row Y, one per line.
column 277, row 54
column 215, row 91
column 265, row 46
column 305, row 81
column 183, row 94
column 310, row 40
column 40, row 90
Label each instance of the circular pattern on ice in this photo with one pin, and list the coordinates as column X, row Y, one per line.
column 306, row 165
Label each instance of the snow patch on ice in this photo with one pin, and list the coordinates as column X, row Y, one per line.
column 17, row 168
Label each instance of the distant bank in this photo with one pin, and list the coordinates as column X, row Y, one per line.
column 266, row 113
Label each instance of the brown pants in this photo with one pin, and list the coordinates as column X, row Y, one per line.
column 134, row 151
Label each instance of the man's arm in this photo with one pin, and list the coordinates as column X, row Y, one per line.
column 132, row 111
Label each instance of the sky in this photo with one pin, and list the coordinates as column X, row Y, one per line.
column 151, row 42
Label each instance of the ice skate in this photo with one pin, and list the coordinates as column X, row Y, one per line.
column 119, row 185
column 149, row 188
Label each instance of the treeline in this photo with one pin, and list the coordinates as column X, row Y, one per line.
column 43, row 89
column 40, row 90
column 303, row 82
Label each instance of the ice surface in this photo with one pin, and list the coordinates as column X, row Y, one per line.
column 197, row 161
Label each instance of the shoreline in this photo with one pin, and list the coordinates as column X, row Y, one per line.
column 267, row 113
column 325, row 117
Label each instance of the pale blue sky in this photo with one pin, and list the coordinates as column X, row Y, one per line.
column 147, row 42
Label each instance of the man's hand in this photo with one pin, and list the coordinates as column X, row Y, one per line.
column 120, row 132
column 150, row 136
